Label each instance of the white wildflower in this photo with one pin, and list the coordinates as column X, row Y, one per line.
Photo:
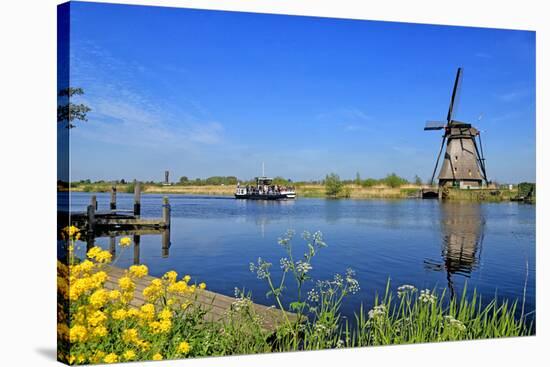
column 286, row 264
column 313, row 295
column 454, row 323
column 303, row 267
column 377, row 312
column 404, row 289
column 426, row 296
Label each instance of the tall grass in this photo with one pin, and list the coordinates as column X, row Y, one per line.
column 410, row 315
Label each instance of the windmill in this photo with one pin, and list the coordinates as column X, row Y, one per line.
column 464, row 163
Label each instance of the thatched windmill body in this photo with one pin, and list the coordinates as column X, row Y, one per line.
column 463, row 164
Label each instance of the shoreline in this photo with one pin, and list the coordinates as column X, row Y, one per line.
column 352, row 191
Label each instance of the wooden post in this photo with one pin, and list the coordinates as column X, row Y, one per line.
column 112, row 245
column 90, row 236
column 90, row 241
column 137, row 198
column 93, row 202
column 113, row 198
column 165, row 242
column 166, row 211
column 91, row 218
column 137, row 239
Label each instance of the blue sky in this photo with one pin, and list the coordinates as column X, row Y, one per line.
column 205, row 93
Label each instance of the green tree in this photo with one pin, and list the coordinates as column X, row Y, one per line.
column 357, row 179
column 369, row 182
column 67, row 111
column 417, row 180
column 333, row 185
column 184, row 180
column 392, row 180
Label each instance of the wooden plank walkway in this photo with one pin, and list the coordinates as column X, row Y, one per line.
column 216, row 304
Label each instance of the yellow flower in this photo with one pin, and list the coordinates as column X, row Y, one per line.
column 100, row 331
column 97, row 357
column 94, row 251
column 130, row 336
column 129, row 355
column 84, row 267
column 120, row 314
column 143, row 345
column 110, row 358
column 179, row 288
column 202, row 285
column 157, row 357
column 165, row 314
column 125, row 242
column 78, row 333
column 96, row 318
column 184, row 348
column 147, row 312
column 99, row 297
column 171, row 276
column 114, row 295
column 63, row 331
column 104, row 257
column 99, row 255
column 71, row 231
column 132, row 313
column 157, row 327
column 138, row 271
column 126, row 284
column 187, row 278
column 127, row 296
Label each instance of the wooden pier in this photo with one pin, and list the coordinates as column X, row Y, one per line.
column 93, row 220
column 217, row 305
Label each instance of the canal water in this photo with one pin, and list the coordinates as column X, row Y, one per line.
column 426, row 243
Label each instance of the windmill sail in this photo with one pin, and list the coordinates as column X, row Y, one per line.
column 434, row 125
column 454, row 96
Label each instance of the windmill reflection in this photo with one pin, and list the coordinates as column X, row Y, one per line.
column 462, row 231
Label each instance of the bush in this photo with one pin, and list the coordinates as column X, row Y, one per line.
column 369, row 182
column 130, row 188
column 392, row 180
column 333, row 185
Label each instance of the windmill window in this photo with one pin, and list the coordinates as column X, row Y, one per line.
column 456, row 169
column 456, row 158
column 470, row 172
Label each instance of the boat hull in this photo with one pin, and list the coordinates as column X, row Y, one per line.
column 264, row 196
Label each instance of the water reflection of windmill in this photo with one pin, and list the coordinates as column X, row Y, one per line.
column 462, row 230
column 464, row 163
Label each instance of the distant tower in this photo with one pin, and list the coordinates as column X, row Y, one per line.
column 166, row 177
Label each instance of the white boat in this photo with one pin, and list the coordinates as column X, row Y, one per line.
column 264, row 190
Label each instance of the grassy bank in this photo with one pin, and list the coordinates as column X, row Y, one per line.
column 303, row 190
column 351, row 191
column 99, row 325
column 485, row 195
